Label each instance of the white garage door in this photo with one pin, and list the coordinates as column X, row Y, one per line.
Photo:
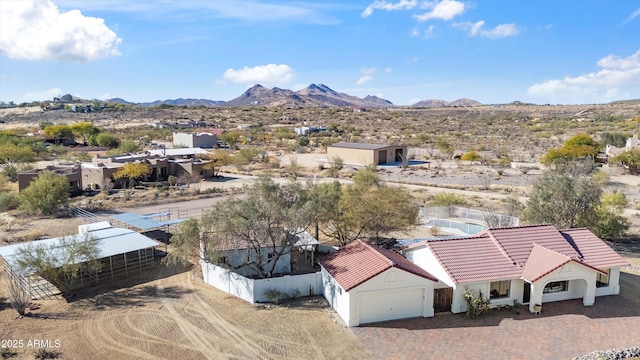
column 389, row 305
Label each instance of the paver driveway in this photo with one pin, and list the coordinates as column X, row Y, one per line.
column 564, row 330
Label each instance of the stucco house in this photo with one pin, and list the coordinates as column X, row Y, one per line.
column 632, row 143
column 195, row 140
column 71, row 172
column 529, row 264
column 365, row 154
column 365, row 283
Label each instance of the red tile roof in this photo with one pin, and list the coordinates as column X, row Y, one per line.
column 592, row 250
column 541, row 262
column 358, row 262
column 529, row 252
column 473, row 259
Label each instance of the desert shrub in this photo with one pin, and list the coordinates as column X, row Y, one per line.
column 274, row 296
column 43, row 353
column 9, row 201
column 476, row 305
column 18, row 298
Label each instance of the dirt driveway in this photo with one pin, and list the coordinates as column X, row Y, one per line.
column 174, row 315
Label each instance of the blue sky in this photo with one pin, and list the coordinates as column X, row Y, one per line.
column 557, row 52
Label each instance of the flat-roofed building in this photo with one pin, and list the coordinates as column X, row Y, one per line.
column 365, row 154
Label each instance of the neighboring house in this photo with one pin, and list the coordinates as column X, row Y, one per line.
column 366, row 154
column 365, row 283
column 71, row 172
column 632, row 143
column 195, row 140
column 530, row 264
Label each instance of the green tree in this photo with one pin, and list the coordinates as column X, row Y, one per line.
column 129, row 146
column 609, row 222
column 230, row 138
column 365, row 208
column 217, row 159
column 85, row 130
column 630, row 159
column 449, row 201
column 185, row 243
column 265, row 222
column 566, row 196
column 616, row 139
column 130, row 173
column 106, row 140
column 245, row 156
column 580, row 146
column 12, row 156
column 58, row 132
column 47, row 193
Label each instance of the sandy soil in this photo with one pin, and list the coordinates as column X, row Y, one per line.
column 172, row 314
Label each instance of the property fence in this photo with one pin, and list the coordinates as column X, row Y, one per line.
column 467, row 220
column 253, row 290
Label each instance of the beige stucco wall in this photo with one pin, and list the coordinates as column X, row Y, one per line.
column 365, row 156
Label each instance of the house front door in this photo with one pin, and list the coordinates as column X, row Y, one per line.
column 526, row 293
column 442, row 299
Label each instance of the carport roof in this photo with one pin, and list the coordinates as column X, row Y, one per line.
column 110, row 241
column 358, row 262
column 145, row 222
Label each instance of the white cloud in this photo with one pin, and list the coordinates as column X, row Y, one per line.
column 444, row 10
column 388, row 70
column 384, row 5
column 616, row 78
column 630, row 18
column 246, row 10
column 412, row 60
column 364, row 79
column 369, row 71
column 263, row 74
column 429, row 32
column 41, row 95
column 38, row 30
column 500, row 31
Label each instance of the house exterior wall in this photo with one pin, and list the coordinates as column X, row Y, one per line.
column 237, row 258
column 424, row 258
column 384, row 288
column 582, row 284
column 192, row 140
column 614, row 283
column 365, row 157
column 71, row 173
column 337, row 297
column 351, row 156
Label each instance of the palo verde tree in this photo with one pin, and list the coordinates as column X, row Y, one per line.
column 62, row 263
column 130, row 173
column 580, row 146
column 47, row 193
column 58, row 132
column 217, row 159
column 85, row 130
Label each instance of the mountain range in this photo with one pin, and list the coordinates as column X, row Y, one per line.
column 312, row 96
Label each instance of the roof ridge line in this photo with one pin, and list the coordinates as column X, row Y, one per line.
column 378, row 253
column 500, row 247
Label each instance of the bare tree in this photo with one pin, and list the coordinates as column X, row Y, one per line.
column 18, row 298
